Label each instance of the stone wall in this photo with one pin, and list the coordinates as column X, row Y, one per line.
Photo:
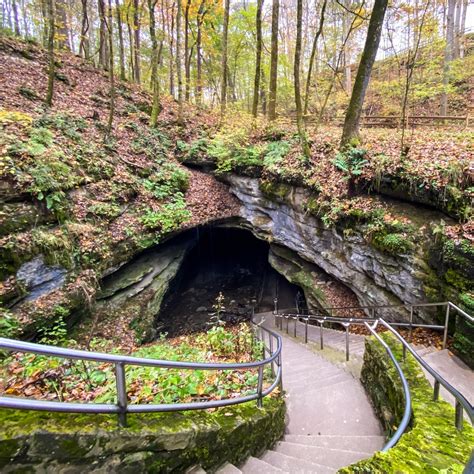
column 33, row 442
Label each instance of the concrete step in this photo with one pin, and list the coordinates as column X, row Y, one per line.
column 195, row 470
column 228, row 468
column 335, row 458
column 355, row 443
column 294, row 377
column 254, row 465
column 295, row 465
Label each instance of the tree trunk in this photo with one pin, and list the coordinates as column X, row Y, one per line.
column 225, row 34
column 62, row 27
column 187, row 59
column 351, row 123
column 314, row 48
column 457, row 30
column 258, row 59
column 462, row 41
column 136, row 38
column 155, row 109
column 118, row 13
column 179, row 74
column 273, row 61
column 171, row 55
column 15, row 18
column 296, row 75
column 110, row 37
column 200, row 19
column 84, row 48
column 51, row 71
column 130, row 42
column 103, row 38
column 448, row 55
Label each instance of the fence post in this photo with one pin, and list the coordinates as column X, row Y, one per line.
column 306, row 331
column 410, row 337
column 120, row 384
column 294, row 327
column 271, row 354
column 446, row 323
column 260, row 386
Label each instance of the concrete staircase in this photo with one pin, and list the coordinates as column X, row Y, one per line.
column 330, row 422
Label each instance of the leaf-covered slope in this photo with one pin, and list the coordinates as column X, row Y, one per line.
column 81, row 201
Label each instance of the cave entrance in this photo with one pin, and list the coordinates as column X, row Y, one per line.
column 227, row 261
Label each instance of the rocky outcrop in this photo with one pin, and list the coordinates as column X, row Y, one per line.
column 139, row 286
column 375, row 277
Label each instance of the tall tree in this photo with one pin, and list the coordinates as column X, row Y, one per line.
column 187, row 57
column 274, row 61
column 224, row 67
column 350, row 131
column 62, row 30
column 179, row 74
column 84, row 48
column 118, row 13
column 296, row 75
column 448, row 55
column 110, row 38
column 51, row 67
column 15, row 18
column 199, row 22
column 312, row 57
column 258, row 58
column 136, row 40
column 155, row 109
column 103, row 38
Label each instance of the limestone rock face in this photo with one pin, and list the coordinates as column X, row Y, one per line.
column 376, row 278
column 39, row 279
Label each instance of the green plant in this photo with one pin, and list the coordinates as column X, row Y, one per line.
column 219, row 307
column 169, row 180
column 55, row 334
column 351, row 162
column 169, row 217
column 275, row 152
column 9, row 325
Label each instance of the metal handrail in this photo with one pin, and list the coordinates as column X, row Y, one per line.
column 461, row 402
column 122, row 407
column 373, row 308
column 406, row 391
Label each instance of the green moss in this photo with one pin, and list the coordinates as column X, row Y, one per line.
column 154, row 442
column 432, row 444
column 394, row 244
column 275, row 189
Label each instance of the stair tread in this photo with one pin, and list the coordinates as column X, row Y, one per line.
column 253, row 465
column 228, row 468
column 355, row 442
column 335, row 458
column 295, row 465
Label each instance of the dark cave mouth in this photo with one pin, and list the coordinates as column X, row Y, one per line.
column 227, row 261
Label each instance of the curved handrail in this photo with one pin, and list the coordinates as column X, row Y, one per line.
column 122, row 407
column 406, row 391
column 460, row 398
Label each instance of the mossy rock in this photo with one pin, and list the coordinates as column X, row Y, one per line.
column 156, row 442
column 432, row 443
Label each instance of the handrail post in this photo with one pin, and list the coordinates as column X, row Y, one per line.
column 410, row 336
column 121, row 392
column 321, row 337
column 346, row 325
column 275, row 305
column 459, row 415
column 271, row 353
column 436, row 390
column 446, row 323
column 294, row 327
column 260, row 386
column 306, row 331
column 287, row 322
